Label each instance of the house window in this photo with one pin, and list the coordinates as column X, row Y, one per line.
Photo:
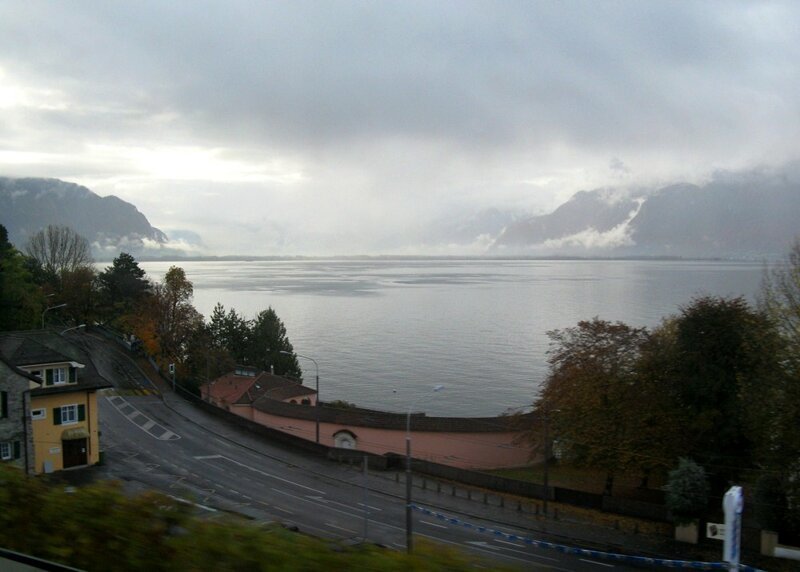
column 38, row 414
column 68, row 414
column 9, row 450
column 60, row 375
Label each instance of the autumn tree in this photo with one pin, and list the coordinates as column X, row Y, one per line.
column 592, row 397
column 166, row 320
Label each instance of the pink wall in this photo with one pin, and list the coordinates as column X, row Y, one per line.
column 479, row 451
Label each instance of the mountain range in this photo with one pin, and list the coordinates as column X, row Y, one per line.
column 734, row 215
column 108, row 223
column 755, row 214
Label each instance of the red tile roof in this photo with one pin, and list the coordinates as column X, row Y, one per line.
column 245, row 389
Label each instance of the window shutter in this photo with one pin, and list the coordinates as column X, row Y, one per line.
column 56, row 416
column 81, row 412
column 3, row 404
column 48, row 377
column 16, row 450
column 73, row 374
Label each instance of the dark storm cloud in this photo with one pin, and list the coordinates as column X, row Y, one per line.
column 453, row 95
column 479, row 73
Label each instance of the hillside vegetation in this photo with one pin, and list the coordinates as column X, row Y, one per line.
column 98, row 527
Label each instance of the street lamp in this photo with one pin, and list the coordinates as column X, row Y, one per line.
column 72, row 328
column 546, row 419
column 316, row 405
column 48, row 309
column 409, row 519
column 546, row 461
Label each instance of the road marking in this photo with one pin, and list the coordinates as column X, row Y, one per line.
column 289, row 494
column 184, row 501
column 277, row 478
column 373, row 508
column 276, row 507
column 596, row 562
column 432, row 524
column 135, row 416
column 340, row 528
column 328, row 501
column 477, row 546
column 201, row 457
column 479, row 543
column 529, row 554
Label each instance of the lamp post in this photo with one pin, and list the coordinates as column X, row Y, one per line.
column 547, row 454
column 316, row 405
column 409, row 519
column 546, row 462
column 48, row 309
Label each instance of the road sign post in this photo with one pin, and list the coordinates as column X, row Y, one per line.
column 733, row 505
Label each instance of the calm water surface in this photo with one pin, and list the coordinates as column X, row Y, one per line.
column 384, row 332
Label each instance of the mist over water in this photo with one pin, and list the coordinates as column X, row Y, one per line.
column 385, row 331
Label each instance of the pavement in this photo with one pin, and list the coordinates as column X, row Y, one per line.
column 452, row 499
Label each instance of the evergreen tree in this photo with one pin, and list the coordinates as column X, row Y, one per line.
column 21, row 299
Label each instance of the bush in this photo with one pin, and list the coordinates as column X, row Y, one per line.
column 687, row 492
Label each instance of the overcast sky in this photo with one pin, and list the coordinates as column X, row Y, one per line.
column 351, row 127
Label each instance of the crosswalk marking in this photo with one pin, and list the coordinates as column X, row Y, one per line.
column 130, row 392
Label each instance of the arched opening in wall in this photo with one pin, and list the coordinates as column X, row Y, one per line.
column 345, row 440
column 293, row 402
column 306, row 401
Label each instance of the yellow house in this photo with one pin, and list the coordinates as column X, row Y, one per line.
column 63, row 401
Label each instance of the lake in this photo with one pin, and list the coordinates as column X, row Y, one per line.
column 385, row 331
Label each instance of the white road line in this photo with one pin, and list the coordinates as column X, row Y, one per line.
column 596, row 562
column 201, row 457
column 358, row 514
column 530, row 554
column 277, row 478
column 290, row 495
column 432, row 524
column 340, row 528
column 184, row 501
column 372, row 508
column 479, row 548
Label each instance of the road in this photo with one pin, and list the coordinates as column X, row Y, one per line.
column 165, row 443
